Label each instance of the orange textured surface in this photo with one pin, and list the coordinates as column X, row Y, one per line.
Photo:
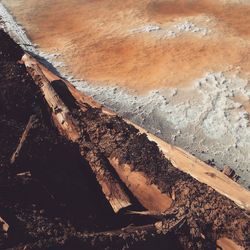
column 96, row 42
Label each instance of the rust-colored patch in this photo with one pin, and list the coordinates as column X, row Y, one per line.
column 144, row 64
column 93, row 38
column 234, row 16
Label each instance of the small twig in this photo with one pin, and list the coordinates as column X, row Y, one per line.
column 24, row 174
column 32, row 120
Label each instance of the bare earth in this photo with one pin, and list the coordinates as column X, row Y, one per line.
column 178, row 68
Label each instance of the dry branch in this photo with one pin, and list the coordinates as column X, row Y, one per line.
column 60, row 113
column 24, row 136
column 132, row 234
column 159, row 227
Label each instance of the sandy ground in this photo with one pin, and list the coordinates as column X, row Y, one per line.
column 178, row 68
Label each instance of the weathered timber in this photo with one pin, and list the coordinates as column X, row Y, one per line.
column 60, row 113
column 68, row 127
column 201, row 171
column 147, row 194
column 178, row 157
column 227, row 244
column 111, row 187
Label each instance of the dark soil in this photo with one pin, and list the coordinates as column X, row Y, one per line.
column 56, row 203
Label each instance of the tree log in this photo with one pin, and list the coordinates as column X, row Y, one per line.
column 201, row 171
column 150, row 196
column 178, row 157
column 227, row 244
column 60, row 113
column 67, row 126
column 112, row 189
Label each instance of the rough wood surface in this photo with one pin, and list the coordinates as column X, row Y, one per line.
column 67, row 126
column 202, row 172
column 149, row 195
column 112, row 189
column 227, row 244
column 60, row 113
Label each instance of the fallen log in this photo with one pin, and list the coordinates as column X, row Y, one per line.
column 24, row 136
column 111, row 187
column 178, row 157
column 67, row 126
column 149, row 196
column 201, row 171
column 60, row 113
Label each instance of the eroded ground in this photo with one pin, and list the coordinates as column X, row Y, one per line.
column 179, row 68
